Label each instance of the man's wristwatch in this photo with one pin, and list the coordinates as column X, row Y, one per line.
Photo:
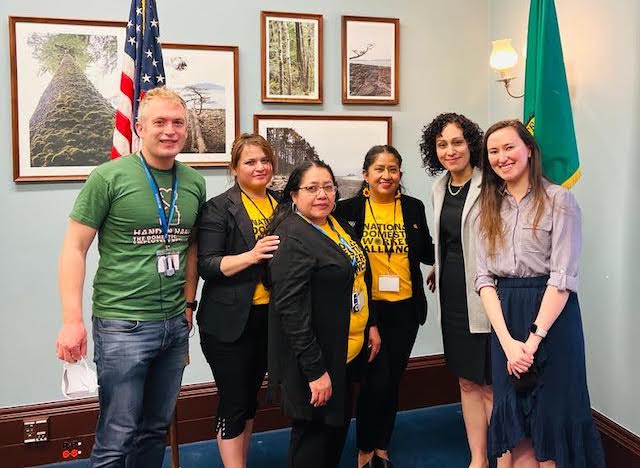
column 538, row 331
column 193, row 305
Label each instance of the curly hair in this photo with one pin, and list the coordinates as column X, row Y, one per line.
column 470, row 130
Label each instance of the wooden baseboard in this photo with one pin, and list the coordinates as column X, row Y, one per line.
column 621, row 447
column 426, row 383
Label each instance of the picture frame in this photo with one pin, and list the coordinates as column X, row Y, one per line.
column 65, row 76
column 206, row 76
column 339, row 140
column 370, row 60
column 291, row 74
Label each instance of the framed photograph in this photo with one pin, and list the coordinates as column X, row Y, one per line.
column 370, row 60
column 206, row 76
column 291, row 57
column 339, row 140
column 65, row 77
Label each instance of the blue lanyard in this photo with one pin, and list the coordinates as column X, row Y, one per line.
column 343, row 241
column 165, row 221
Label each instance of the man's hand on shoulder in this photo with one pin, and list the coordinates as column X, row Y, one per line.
column 72, row 342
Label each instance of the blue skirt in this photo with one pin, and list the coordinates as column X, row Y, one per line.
column 556, row 413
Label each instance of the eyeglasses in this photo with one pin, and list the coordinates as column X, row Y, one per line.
column 315, row 189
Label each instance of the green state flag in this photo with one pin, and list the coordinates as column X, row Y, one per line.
column 547, row 108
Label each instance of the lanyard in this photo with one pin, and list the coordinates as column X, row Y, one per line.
column 342, row 240
column 258, row 208
column 165, row 221
column 388, row 251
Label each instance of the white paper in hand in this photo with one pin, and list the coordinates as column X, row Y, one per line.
column 78, row 380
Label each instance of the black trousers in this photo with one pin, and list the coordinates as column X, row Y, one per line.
column 314, row 444
column 238, row 369
column 378, row 399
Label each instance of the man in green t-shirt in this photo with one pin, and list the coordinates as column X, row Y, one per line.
column 143, row 207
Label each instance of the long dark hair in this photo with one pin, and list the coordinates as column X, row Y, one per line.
column 285, row 205
column 470, row 130
column 372, row 155
column 491, row 225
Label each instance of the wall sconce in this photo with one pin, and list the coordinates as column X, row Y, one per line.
column 503, row 59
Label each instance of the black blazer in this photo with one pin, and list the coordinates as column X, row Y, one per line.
column 311, row 285
column 224, row 229
column 418, row 240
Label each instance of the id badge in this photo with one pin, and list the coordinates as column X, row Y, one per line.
column 357, row 301
column 389, row 283
column 168, row 262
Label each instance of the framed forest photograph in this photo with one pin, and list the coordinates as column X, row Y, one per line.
column 206, row 76
column 291, row 57
column 65, row 77
column 339, row 140
column 370, row 60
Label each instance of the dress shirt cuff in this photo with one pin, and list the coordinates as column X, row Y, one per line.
column 563, row 281
column 484, row 280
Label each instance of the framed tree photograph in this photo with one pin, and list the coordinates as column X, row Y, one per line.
column 291, row 57
column 370, row 60
column 339, row 140
column 65, row 77
column 206, row 76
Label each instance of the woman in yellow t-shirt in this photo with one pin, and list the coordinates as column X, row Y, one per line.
column 318, row 316
column 232, row 249
column 394, row 233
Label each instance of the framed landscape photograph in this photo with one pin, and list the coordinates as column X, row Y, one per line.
column 206, row 76
column 370, row 60
column 291, row 57
column 339, row 140
column 65, row 77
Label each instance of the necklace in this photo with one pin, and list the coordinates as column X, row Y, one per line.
column 453, row 194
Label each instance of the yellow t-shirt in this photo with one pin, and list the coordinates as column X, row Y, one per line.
column 358, row 320
column 259, row 211
column 380, row 229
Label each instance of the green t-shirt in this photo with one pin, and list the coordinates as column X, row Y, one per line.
column 118, row 201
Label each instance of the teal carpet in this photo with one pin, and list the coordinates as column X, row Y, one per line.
column 425, row 438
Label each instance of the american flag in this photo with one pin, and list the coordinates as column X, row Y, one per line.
column 142, row 70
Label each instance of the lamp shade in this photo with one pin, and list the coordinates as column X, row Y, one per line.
column 503, row 55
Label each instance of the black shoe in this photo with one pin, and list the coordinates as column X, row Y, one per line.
column 379, row 462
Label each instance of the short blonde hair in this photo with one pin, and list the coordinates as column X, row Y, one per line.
column 160, row 92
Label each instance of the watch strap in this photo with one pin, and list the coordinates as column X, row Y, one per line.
column 538, row 330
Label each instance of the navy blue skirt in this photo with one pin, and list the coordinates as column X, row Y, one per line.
column 555, row 414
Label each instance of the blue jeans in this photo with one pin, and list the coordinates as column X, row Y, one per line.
column 140, row 366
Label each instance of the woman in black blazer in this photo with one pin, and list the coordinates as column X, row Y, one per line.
column 318, row 316
column 233, row 312
column 394, row 233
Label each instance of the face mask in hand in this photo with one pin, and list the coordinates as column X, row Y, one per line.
column 78, row 380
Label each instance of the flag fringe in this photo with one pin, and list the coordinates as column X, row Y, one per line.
column 571, row 181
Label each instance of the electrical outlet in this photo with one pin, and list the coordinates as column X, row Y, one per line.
column 36, row 431
column 71, row 449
